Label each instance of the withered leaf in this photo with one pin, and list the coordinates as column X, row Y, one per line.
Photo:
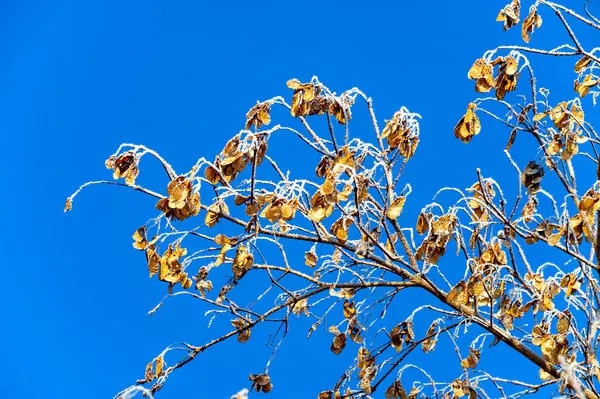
column 510, row 14
column 468, row 126
column 339, row 343
column 396, row 207
column 471, row 361
column 530, row 23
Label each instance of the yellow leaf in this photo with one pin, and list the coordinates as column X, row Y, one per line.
column 159, row 366
column 471, row 361
column 310, row 259
column 396, row 207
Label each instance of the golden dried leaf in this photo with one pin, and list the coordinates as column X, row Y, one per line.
column 242, row 262
column 300, row 306
column 321, row 207
column 507, row 77
column 310, row 259
column 428, row 344
column 530, row 23
column 586, row 84
column 422, row 223
column 483, row 74
column 349, row 309
column 570, row 283
column 149, row 373
column 159, row 366
column 214, row 213
column 471, row 361
column 468, row 126
column 340, row 229
column 582, row 63
column 124, row 166
column 403, row 332
column 510, row 14
column 460, row 388
column 258, row 115
column 458, row 295
column 153, row 260
column 396, row 207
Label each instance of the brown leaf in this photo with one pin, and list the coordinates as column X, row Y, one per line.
column 471, row 361
column 530, row 23
column 468, row 126
column 510, row 14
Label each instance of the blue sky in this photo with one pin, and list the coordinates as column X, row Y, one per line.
column 80, row 77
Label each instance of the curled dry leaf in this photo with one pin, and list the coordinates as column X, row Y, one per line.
column 468, row 126
column 398, row 134
column 261, row 382
column 140, row 239
column 423, row 222
column 471, row 361
column 258, row 115
column 215, row 212
column 402, row 333
column 300, row 306
column 244, row 335
column 429, row 343
column 582, row 63
column 529, row 209
column 154, row 369
column 202, row 283
column 461, row 388
column 339, row 343
column 124, row 166
column 182, row 202
column 171, row 270
column 440, row 234
column 570, row 283
column 304, row 93
column 349, row 309
column 483, row 73
column 242, row 262
column 340, row 229
column 507, row 77
column 586, row 84
column 510, row 14
column 530, row 23
column 310, row 258
column 279, row 209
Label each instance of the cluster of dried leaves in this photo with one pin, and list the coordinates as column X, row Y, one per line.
column 361, row 254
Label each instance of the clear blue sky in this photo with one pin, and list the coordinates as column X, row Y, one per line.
column 77, row 78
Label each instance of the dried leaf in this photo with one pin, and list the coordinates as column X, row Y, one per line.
column 471, row 361
column 396, row 207
column 530, row 23
column 510, row 14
